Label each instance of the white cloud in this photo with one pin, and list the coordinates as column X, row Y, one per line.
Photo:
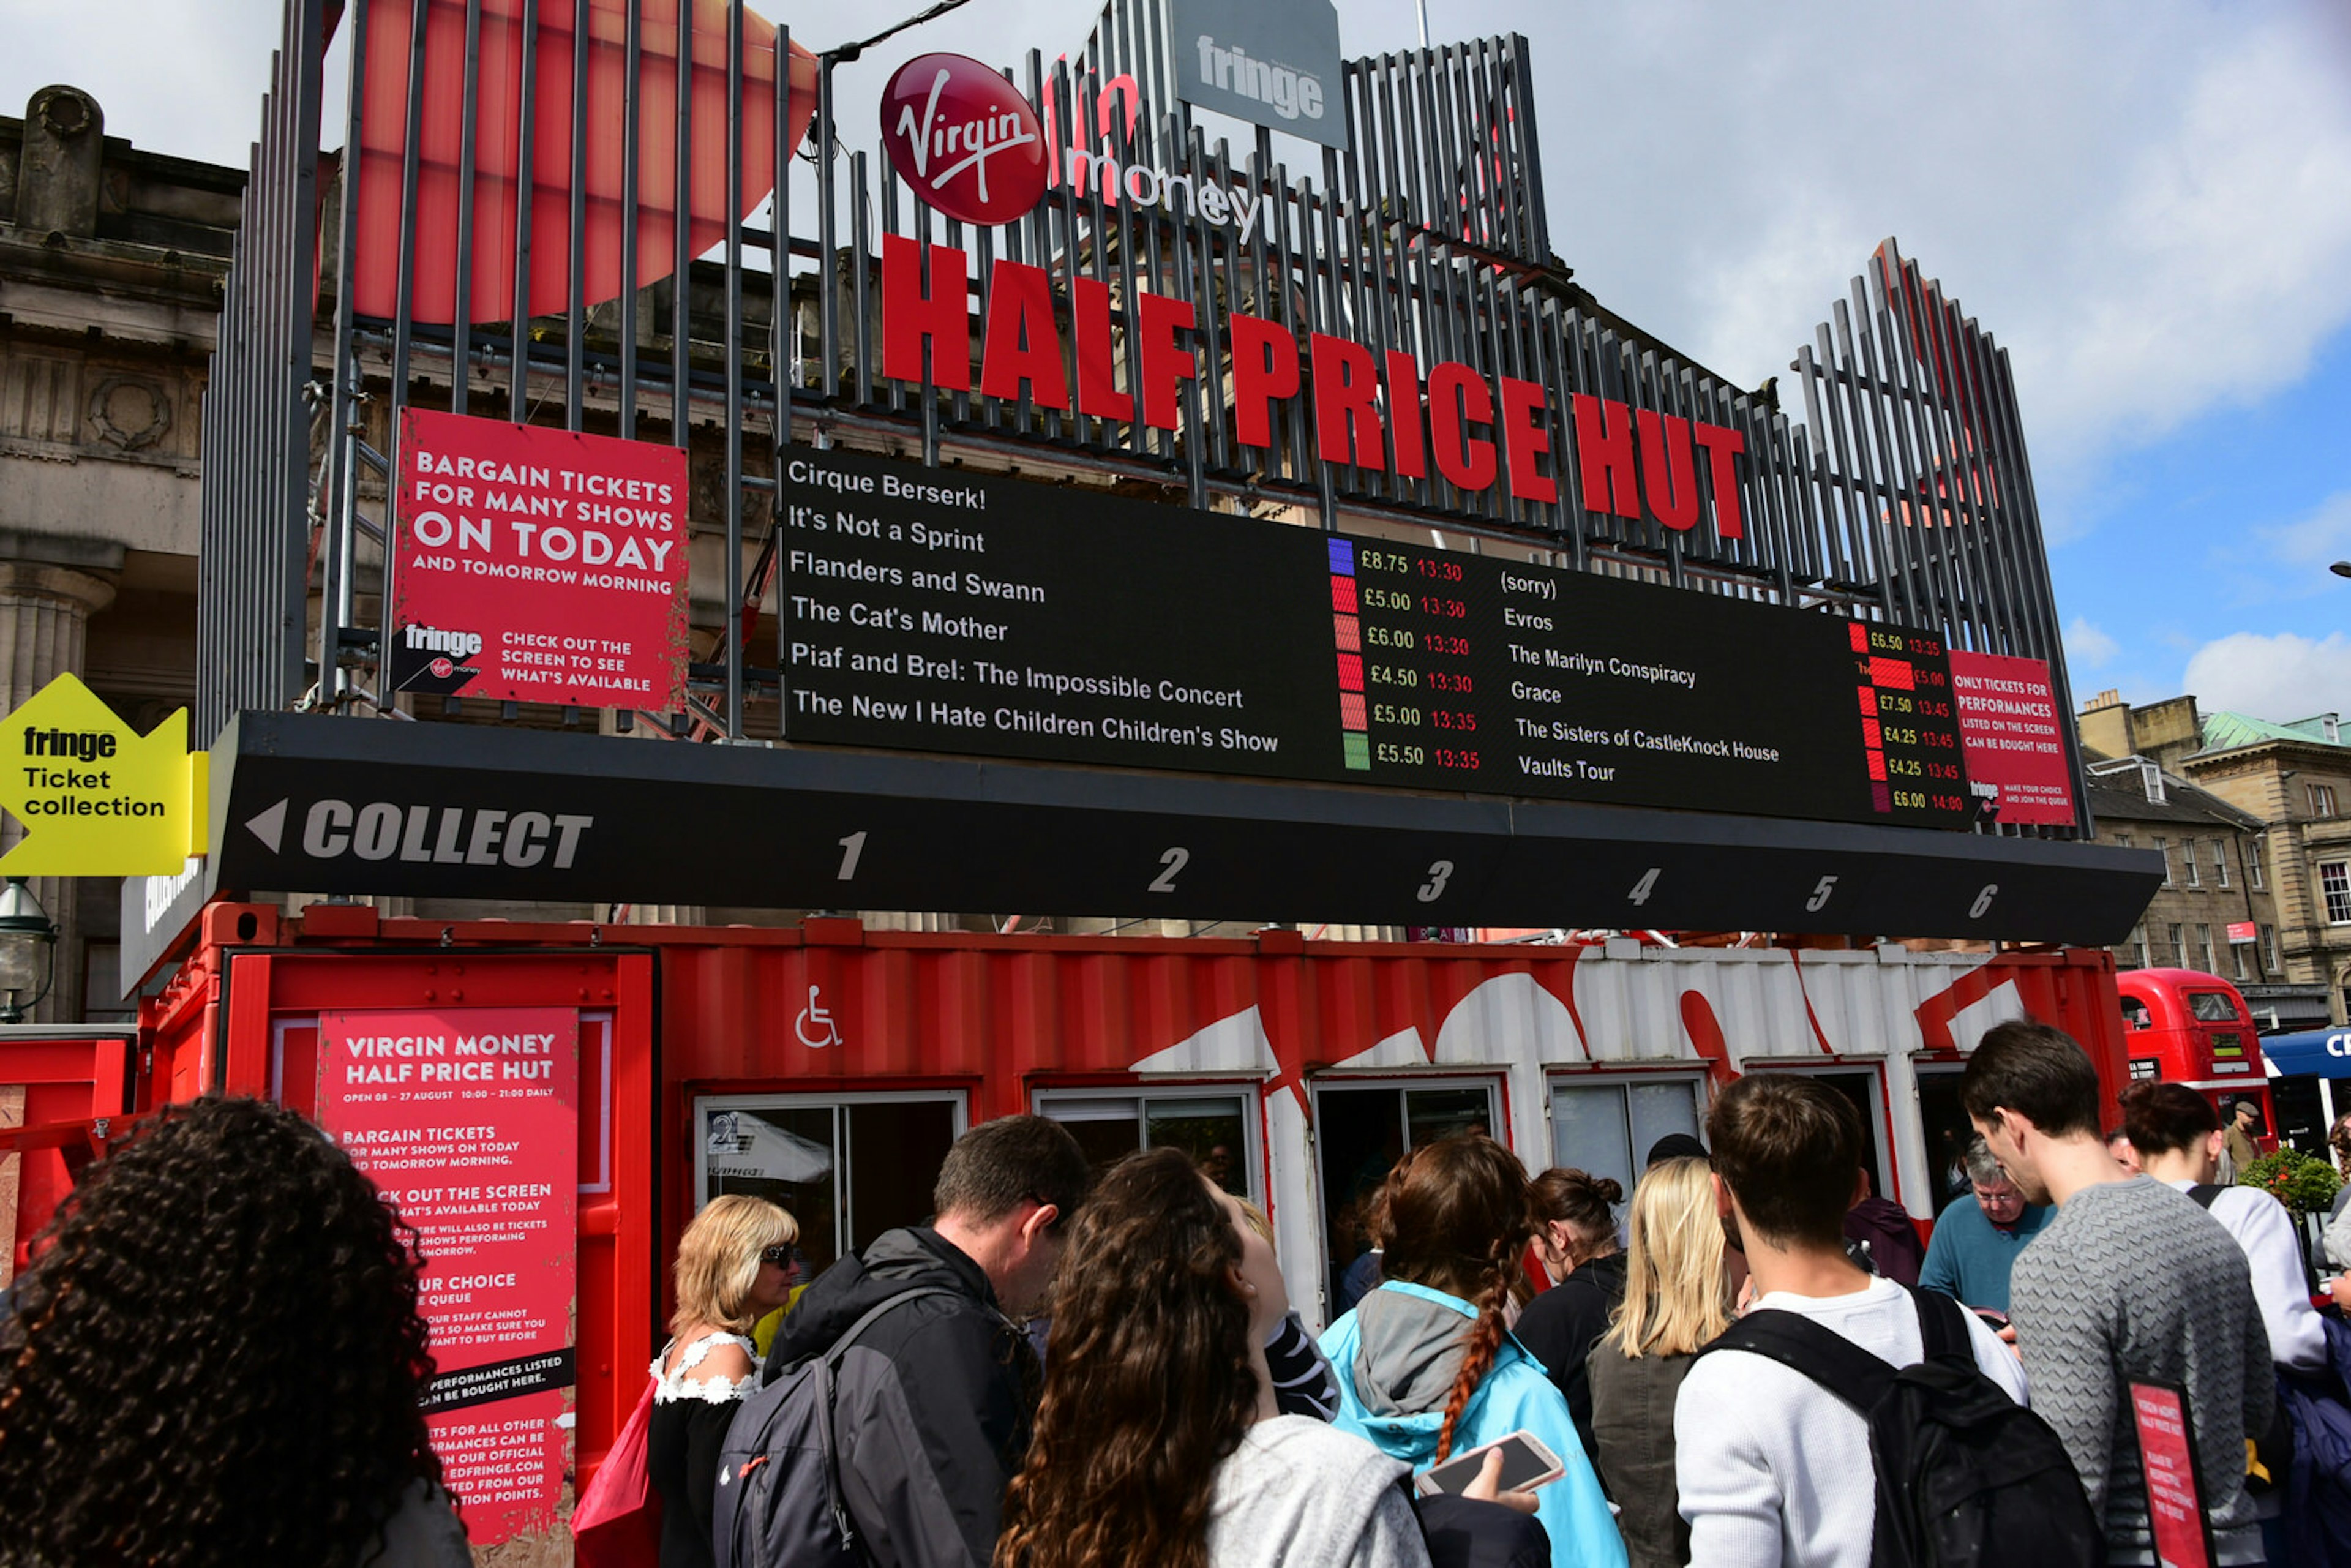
column 2319, row 539
column 2279, row 677
column 2087, row 646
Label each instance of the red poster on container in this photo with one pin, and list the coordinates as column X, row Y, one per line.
column 2166, row 1456
column 2013, row 736
column 535, row 565
column 467, row 1120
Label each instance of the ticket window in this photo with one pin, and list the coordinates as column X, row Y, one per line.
column 847, row 1167
column 1863, row 1087
column 1217, row 1130
column 1362, row 1129
column 1607, row 1126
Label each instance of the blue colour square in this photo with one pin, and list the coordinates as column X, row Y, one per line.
column 1343, row 556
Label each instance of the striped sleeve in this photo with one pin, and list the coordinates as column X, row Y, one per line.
column 1303, row 1383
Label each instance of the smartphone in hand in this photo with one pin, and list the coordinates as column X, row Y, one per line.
column 1526, row 1462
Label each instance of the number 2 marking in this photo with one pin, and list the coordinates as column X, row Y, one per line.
column 1175, row 859
column 1640, row 894
column 1820, row 895
column 1439, row 873
column 1982, row 904
column 852, row 847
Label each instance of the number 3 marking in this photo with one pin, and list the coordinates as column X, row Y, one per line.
column 1983, row 900
column 1439, row 873
column 1820, row 895
column 1175, row 859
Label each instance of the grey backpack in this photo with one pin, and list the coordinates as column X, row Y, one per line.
column 779, row 1500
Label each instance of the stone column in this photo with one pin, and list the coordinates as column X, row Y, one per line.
column 44, row 614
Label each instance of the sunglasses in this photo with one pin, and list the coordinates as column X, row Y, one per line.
column 780, row 1254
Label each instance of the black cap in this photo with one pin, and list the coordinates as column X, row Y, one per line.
column 1675, row 1146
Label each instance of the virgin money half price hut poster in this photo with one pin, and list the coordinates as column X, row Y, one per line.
column 467, row 1120
column 533, row 565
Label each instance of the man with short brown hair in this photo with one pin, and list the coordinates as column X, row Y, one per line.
column 1772, row 1467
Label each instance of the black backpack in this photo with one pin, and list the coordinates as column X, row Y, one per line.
column 779, row 1499
column 1967, row 1478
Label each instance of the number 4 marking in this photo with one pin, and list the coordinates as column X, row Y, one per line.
column 1640, row 894
column 1175, row 859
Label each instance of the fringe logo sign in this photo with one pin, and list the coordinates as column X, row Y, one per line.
column 964, row 140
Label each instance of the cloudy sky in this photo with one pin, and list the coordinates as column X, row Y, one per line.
column 2148, row 202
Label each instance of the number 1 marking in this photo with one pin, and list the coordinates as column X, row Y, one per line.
column 852, row 847
column 1175, row 859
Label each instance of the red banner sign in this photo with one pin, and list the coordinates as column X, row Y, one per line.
column 467, row 1119
column 2166, row 1455
column 2013, row 734
column 533, row 565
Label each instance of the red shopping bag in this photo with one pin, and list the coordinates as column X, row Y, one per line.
column 617, row 1522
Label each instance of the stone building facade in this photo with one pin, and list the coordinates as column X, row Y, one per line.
column 2292, row 783
column 110, row 263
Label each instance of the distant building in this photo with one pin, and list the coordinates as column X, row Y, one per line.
column 2254, row 828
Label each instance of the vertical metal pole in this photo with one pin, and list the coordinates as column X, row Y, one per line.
column 526, row 177
column 632, row 210
column 306, row 70
column 342, row 480
column 828, row 281
column 681, row 277
column 461, row 320
column 575, row 260
column 735, row 607
column 783, row 333
column 404, row 321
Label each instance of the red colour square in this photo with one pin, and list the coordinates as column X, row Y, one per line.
column 1877, row 764
column 1881, row 796
column 1349, row 632
column 1893, row 674
column 1871, row 735
column 1860, row 638
column 1351, row 672
column 1869, row 701
column 1350, row 710
column 1342, row 595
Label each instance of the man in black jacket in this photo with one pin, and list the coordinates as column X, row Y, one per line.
column 935, row 1399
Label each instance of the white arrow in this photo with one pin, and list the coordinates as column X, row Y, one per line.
column 269, row 826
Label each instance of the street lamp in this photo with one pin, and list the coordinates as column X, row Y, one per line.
column 29, row 951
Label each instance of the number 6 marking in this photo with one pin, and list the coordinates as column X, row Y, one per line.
column 1439, row 873
column 1983, row 900
column 852, row 847
column 1175, row 859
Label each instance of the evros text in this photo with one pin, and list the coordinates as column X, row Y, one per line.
column 450, row 835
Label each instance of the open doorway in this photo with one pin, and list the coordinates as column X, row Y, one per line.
column 1360, row 1130
column 1948, row 1132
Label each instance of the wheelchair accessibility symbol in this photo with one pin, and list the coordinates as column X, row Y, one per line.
column 815, row 1026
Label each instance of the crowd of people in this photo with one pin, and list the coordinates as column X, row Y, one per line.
column 1073, row 1369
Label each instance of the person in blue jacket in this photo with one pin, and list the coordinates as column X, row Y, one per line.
column 1428, row 1366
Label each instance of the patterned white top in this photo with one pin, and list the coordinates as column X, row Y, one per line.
column 672, row 1387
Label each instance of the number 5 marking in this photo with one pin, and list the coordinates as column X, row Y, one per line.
column 1175, row 859
column 1439, row 873
column 851, row 848
column 1983, row 900
column 1820, row 895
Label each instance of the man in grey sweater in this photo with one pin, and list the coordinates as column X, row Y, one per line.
column 2132, row 1282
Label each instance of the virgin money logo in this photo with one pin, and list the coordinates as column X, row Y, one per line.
column 967, row 144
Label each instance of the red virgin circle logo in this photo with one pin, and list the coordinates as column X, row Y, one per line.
column 963, row 139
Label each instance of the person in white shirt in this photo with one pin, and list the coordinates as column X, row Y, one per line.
column 1774, row 1471
column 2179, row 1141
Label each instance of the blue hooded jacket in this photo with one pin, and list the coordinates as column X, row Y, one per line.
column 1396, row 1355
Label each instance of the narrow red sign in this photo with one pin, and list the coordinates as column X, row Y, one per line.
column 2013, row 734
column 467, row 1120
column 533, row 565
column 2166, row 1456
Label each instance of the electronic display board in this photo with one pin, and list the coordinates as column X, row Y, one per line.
column 943, row 611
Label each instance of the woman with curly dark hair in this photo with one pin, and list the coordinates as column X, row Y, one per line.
column 1157, row 1440
column 1427, row 1363
column 216, row 1359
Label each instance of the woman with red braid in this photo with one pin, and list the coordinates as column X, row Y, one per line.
column 1428, row 1366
